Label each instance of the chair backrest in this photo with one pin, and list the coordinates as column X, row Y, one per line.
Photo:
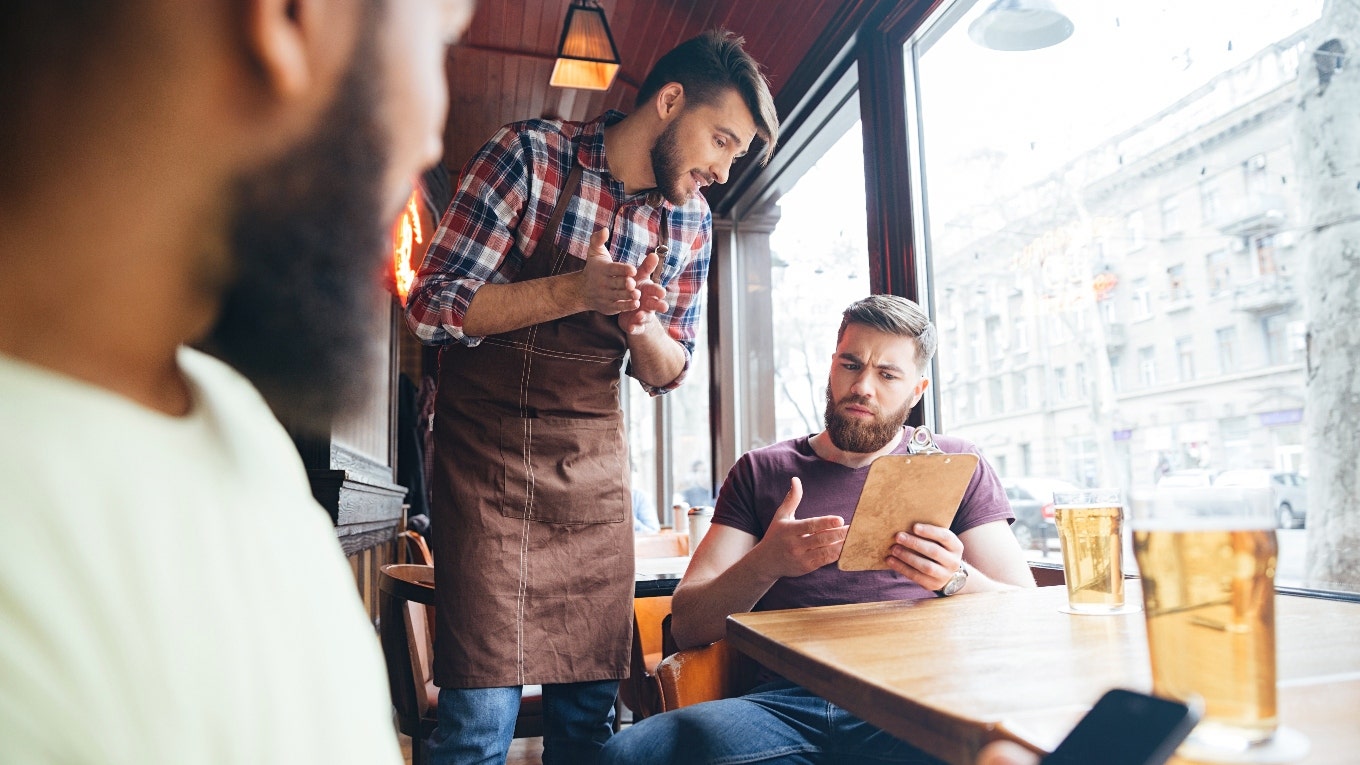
column 417, row 551
column 406, row 624
column 639, row 691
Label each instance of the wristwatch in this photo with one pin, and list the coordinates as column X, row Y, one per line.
column 955, row 583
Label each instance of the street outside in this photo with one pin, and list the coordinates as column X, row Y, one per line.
column 1289, row 571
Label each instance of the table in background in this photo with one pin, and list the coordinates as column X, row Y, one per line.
column 951, row 674
column 654, row 577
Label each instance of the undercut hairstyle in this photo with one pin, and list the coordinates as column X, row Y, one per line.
column 895, row 316
column 710, row 64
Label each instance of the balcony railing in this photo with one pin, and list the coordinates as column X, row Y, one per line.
column 1264, row 294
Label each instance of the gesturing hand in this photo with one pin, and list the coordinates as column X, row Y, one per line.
column 607, row 287
column 652, row 300
column 929, row 555
column 796, row 546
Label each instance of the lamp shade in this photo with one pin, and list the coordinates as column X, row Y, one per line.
column 586, row 56
column 1020, row 25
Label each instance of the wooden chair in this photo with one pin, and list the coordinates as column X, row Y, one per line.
column 406, row 624
column 640, row 691
column 417, row 551
column 716, row 671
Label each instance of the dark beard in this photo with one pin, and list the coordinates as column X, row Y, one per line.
column 666, row 165
column 308, row 242
column 859, row 437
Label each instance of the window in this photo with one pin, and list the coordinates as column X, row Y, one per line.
column 1020, row 384
column 1208, row 201
column 1141, row 299
column 815, row 271
column 996, row 348
column 998, row 395
column 1171, row 222
column 1274, row 332
column 1218, row 271
column 1263, row 255
column 1185, row 358
column 1226, row 340
column 1176, row 289
column 1021, row 337
column 1133, row 225
column 1147, row 366
column 1100, row 141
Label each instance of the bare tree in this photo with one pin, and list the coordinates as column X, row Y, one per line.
column 1327, row 152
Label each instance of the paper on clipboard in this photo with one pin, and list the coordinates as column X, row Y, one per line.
column 901, row 490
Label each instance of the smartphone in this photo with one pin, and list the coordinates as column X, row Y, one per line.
column 1127, row 728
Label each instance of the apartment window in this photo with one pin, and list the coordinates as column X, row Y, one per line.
column 1225, row 339
column 997, row 389
column 1218, row 271
column 1185, row 358
column 1176, row 289
column 1147, row 366
column 1109, row 309
column 1060, row 385
column 1209, row 201
column 1116, row 372
column 1021, row 328
column 1020, row 384
column 1137, row 233
column 1079, row 380
column 1141, row 299
column 1263, row 255
column 1275, row 329
column 996, row 348
column 1171, row 222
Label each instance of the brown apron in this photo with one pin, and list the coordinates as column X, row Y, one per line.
column 532, row 510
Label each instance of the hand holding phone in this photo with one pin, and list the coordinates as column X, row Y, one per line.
column 1127, row 728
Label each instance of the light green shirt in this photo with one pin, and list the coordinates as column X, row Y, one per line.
column 170, row 592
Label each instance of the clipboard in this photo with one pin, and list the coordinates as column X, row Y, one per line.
column 901, row 490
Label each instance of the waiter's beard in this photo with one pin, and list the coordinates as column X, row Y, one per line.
column 308, row 244
column 858, row 436
column 666, row 165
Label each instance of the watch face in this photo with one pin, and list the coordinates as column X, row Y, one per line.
column 955, row 582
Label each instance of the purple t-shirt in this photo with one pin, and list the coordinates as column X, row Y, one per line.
column 760, row 479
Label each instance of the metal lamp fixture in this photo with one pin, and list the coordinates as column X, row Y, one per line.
column 586, row 56
column 1020, row 25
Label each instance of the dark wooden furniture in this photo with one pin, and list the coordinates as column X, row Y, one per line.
column 406, row 608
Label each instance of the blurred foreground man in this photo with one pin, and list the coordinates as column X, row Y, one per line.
column 220, row 174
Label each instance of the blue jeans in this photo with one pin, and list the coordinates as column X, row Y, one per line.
column 777, row 722
column 476, row 725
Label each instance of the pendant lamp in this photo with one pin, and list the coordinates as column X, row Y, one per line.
column 586, row 56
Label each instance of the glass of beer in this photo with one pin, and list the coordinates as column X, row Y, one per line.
column 1091, row 530
column 1208, row 580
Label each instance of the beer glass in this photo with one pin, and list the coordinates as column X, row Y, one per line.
column 1091, row 531
column 1207, row 561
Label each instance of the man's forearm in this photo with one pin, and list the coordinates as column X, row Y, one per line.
column 498, row 308
column 701, row 608
column 657, row 359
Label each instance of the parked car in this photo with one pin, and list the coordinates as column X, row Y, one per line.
column 1032, row 502
column 1286, row 494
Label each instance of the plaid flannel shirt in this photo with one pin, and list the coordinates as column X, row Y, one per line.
column 505, row 198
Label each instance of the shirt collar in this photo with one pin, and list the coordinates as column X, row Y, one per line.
column 591, row 156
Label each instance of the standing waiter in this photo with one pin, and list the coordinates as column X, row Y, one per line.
column 568, row 249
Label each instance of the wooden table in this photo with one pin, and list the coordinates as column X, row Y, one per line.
column 951, row 674
column 658, row 576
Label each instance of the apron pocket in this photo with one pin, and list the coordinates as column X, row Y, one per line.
column 564, row 470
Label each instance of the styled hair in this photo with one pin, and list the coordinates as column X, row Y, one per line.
column 710, row 64
column 895, row 316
